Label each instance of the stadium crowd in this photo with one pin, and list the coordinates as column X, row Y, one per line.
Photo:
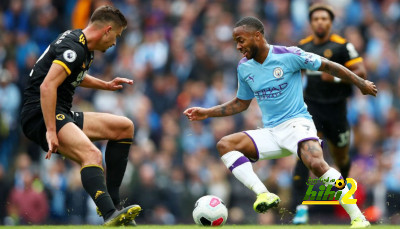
column 180, row 53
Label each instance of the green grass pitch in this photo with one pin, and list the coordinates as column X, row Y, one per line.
column 198, row 227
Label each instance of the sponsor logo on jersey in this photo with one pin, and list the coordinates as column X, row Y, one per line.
column 271, row 92
column 60, row 117
column 278, row 72
column 69, row 55
column 79, row 78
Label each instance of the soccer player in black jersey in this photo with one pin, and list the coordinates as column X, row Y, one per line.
column 325, row 96
column 47, row 119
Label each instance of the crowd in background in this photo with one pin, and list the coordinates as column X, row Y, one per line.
column 180, row 53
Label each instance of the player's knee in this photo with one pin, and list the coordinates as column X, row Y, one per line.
column 318, row 166
column 92, row 157
column 126, row 129
column 224, row 145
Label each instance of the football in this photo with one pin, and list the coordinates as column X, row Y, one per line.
column 210, row 211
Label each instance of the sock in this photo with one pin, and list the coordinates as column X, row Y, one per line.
column 116, row 158
column 344, row 170
column 94, row 183
column 241, row 168
column 300, row 177
column 351, row 209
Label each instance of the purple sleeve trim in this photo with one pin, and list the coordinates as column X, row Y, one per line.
column 283, row 49
column 243, row 60
column 238, row 162
column 255, row 145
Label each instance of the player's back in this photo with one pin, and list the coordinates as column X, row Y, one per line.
column 70, row 51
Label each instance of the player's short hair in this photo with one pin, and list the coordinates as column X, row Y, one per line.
column 321, row 6
column 251, row 22
column 109, row 14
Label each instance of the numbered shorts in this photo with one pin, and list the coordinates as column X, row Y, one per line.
column 34, row 127
column 331, row 121
column 282, row 140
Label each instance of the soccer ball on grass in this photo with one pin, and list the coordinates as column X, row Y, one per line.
column 210, row 211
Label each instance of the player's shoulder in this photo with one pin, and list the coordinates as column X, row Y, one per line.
column 74, row 38
column 335, row 38
column 243, row 62
column 306, row 40
column 277, row 49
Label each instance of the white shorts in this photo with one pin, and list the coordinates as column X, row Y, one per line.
column 283, row 139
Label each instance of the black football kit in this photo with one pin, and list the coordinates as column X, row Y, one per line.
column 71, row 52
column 326, row 101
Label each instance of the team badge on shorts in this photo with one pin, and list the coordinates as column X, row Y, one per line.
column 69, row 55
column 60, row 117
column 278, row 72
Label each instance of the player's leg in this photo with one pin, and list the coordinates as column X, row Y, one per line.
column 338, row 136
column 236, row 150
column 74, row 144
column 119, row 131
column 312, row 156
column 300, row 176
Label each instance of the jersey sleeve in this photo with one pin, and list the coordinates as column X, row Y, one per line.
column 69, row 55
column 300, row 59
column 350, row 55
column 244, row 91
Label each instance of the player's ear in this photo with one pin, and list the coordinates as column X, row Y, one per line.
column 108, row 29
column 257, row 35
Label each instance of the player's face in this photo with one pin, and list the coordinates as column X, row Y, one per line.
column 321, row 23
column 109, row 39
column 245, row 39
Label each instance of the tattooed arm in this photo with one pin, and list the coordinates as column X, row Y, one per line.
column 229, row 108
column 335, row 69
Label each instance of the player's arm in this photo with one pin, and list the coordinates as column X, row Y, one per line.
column 335, row 69
column 95, row 83
column 232, row 107
column 358, row 69
column 48, row 100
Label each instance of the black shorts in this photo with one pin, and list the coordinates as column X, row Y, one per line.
column 331, row 120
column 34, row 127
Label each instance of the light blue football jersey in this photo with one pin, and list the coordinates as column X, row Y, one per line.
column 276, row 83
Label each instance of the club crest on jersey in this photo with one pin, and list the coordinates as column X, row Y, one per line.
column 328, row 53
column 69, row 55
column 60, row 117
column 278, row 72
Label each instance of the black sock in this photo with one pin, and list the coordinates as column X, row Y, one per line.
column 344, row 170
column 94, row 183
column 116, row 160
column 300, row 177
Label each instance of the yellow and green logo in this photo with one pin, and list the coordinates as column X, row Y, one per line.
column 324, row 195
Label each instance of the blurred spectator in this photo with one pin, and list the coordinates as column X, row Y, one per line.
column 10, row 102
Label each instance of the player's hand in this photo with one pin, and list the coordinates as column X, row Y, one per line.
column 52, row 141
column 368, row 88
column 196, row 113
column 116, row 83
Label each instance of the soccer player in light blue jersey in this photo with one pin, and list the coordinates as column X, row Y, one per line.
column 272, row 74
